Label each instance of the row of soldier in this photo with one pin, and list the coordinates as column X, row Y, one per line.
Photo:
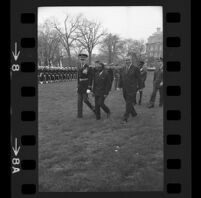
column 56, row 74
column 48, row 74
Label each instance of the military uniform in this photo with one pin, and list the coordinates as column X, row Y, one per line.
column 84, row 79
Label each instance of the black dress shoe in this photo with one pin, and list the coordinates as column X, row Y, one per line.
column 150, row 106
column 134, row 115
column 124, row 121
column 108, row 115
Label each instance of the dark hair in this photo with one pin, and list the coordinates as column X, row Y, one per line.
column 102, row 65
column 82, row 55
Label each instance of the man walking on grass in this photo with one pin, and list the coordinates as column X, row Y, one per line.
column 157, row 85
column 84, row 78
column 143, row 75
column 130, row 82
column 101, row 88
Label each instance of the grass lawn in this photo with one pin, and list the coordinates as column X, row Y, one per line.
column 85, row 155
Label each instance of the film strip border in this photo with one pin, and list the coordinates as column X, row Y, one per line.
column 24, row 112
column 27, row 94
column 172, row 92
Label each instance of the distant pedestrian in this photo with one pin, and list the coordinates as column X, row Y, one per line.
column 116, row 77
column 143, row 76
column 111, row 74
column 157, row 85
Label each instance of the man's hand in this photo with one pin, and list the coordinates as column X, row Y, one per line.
column 161, row 84
column 88, row 91
column 139, row 90
column 105, row 96
column 118, row 88
column 85, row 71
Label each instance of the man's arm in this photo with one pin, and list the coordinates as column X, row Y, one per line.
column 138, row 77
column 90, row 78
column 144, row 75
column 161, row 80
column 93, row 82
column 120, row 84
column 154, row 76
column 78, row 77
column 107, row 83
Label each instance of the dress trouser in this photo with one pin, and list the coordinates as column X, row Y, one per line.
column 83, row 97
column 116, row 80
column 153, row 96
column 99, row 103
column 130, row 99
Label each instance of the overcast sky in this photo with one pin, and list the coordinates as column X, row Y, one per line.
column 137, row 22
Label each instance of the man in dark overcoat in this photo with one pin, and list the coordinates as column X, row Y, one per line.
column 101, row 88
column 130, row 82
column 143, row 75
column 157, row 85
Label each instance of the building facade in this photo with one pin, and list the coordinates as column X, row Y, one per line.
column 154, row 46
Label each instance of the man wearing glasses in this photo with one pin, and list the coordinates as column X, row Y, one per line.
column 130, row 82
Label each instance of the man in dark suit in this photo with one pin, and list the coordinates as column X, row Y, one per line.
column 84, row 78
column 130, row 82
column 101, row 88
column 157, row 85
column 143, row 75
column 111, row 75
column 116, row 76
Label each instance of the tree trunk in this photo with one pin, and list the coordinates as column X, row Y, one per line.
column 69, row 57
column 109, row 55
column 90, row 53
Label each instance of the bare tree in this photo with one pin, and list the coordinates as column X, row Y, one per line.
column 89, row 35
column 78, row 48
column 68, row 33
column 110, row 47
column 134, row 46
column 48, row 44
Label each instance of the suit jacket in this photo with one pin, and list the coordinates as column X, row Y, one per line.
column 84, row 79
column 143, row 75
column 101, row 83
column 130, row 81
column 111, row 75
column 158, row 77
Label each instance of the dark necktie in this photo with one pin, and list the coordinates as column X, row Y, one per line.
column 127, row 68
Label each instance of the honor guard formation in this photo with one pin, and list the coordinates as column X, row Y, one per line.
column 51, row 74
column 99, row 79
